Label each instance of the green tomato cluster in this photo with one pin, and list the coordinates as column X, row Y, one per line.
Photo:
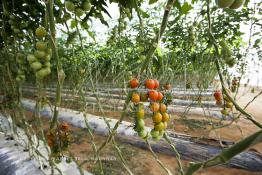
column 78, row 9
column 20, row 59
column 40, row 60
column 17, row 25
column 139, row 121
column 232, row 4
column 226, row 54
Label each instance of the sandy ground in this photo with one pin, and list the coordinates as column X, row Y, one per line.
column 142, row 162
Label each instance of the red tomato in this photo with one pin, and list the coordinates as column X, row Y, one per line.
column 160, row 96
column 156, row 84
column 134, row 83
column 218, row 95
column 150, row 84
column 153, row 95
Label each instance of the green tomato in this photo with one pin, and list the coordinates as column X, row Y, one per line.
column 140, row 124
column 237, row 4
column 79, row 12
column 20, row 56
column 40, row 32
column 36, row 65
column 154, row 133
column 31, row 58
column 224, row 3
column 39, row 54
column 142, row 133
column 87, row 6
column 47, row 58
column 48, row 64
column 42, row 73
column 16, row 30
column 70, row 6
column 40, row 45
column 159, row 126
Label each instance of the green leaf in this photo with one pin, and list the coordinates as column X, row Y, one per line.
column 152, row 1
column 186, row 8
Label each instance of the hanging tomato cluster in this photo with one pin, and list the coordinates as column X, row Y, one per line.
column 17, row 24
column 157, row 105
column 40, row 60
column 78, row 9
column 219, row 101
column 20, row 59
column 59, row 140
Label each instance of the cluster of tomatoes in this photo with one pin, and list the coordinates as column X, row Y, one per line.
column 20, row 59
column 158, row 107
column 232, row 4
column 228, row 105
column 40, row 60
column 78, row 9
column 17, row 24
column 234, row 84
column 59, row 140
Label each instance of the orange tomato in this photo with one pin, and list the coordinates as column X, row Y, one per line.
column 165, row 117
column 135, row 98
column 150, row 84
column 162, row 107
column 134, row 83
column 160, row 96
column 154, row 107
column 153, row 95
column 157, row 117
column 156, row 84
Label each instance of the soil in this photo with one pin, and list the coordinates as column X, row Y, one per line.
column 142, row 162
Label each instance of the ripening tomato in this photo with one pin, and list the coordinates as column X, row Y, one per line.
column 140, row 114
column 40, row 45
column 135, row 98
column 134, row 83
column 157, row 117
column 224, row 112
column 167, row 86
column 150, row 84
column 160, row 96
column 154, row 107
column 229, row 105
column 165, row 117
column 156, row 84
column 64, row 126
column 162, row 107
column 218, row 95
column 153, row 95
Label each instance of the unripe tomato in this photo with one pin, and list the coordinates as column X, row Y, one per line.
column 47, row 58
column 48, row 64
column 16, row 30
column 42, row 73
column 79, row 12
column 153, row 95
column 87, row 6
column 134, row 83
column 165, row 117
column 157, row 117
column 162, row 107
column 160, row 96
column 156, row 84
column 224, row 3
column 142, row 133
column 40, row 45
column 154, row 133
column 229, row 105
column 70, row 6
column 31, row 58
column 154, row 107
column 159, row 126
column 165, row 125
column 140, row 114
column 40, row 32
column 135, row 98
column 224, row 112
column 237, row 3
column 39, row 54
column 150, row 84
column 36, row 65
column 218, row 95
column 140, row 124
